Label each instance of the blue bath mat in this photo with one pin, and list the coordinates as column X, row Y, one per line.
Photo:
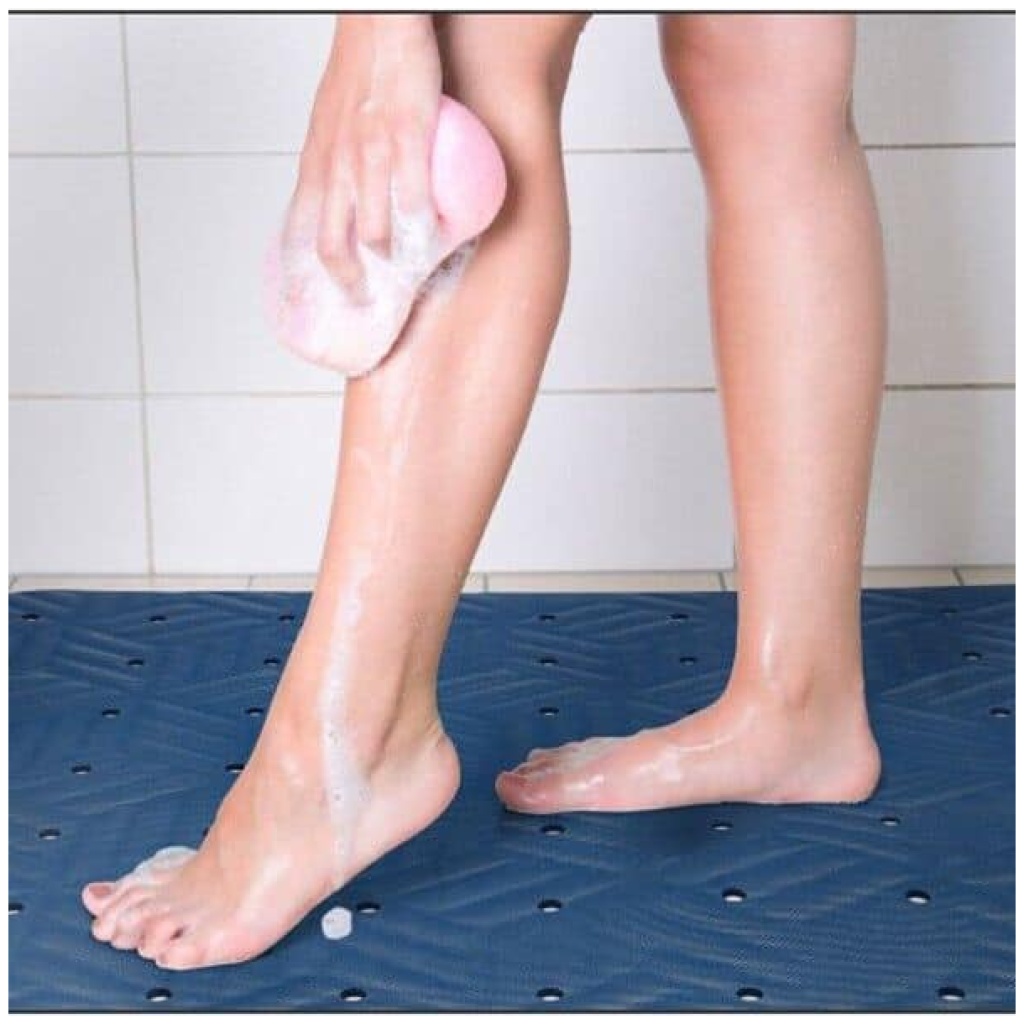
column 127, row 711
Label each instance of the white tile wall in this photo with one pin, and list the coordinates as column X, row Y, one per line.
column 72, row 312
column 636, row 312
column 241, row 437
column 948, row 225
column 66, row 85
column 76, row 481
column 935, row 78
column 606, row 482
column 241, row 484
column 944, row 480
column 628, row 108
column 241, row 81
column 204, row 225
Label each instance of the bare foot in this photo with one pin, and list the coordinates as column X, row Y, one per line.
column 754, row 748
column 278, row 845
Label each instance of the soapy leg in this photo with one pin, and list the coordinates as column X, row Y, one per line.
column 798, row 314
column 353, row 758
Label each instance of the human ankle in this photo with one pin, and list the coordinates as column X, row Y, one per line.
column 798, row 683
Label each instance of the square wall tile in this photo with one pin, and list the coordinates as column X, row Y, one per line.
column 241, row 485
column 949, row 239
column 72, row 287
column 935, row 78
column 615, row 483
column 943, row 488
column 636, row 312
column 205, row 226
column 76, row 486
column 618, row 97
column 224, row 82
column 66, row 83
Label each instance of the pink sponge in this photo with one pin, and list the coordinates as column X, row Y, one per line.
column 316, row 319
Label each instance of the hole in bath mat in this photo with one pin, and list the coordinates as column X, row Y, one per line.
column 687, row 659
column 889, row 820
column 678, row 616
column 14, row 907
column 368, row 907
column 135, row 662
column 951, row 994
column 553, row 829
column 234, row 768
column 548, row 712
column 547, row 660
column 918, row 896
column 158, row 995
column 733, row 895
column 353, row 995
column 547, row 617
column 254, row 712
column 549, row 995
column 81, row 769
column 972, row 656
column 111, row 712
column 158, row 618
column 721, row 826
column 49, row 833
column 750, row 995
column 1000, row 712
column 549, row 906
column 30, row 616
column 271, row 661
column 286, row 617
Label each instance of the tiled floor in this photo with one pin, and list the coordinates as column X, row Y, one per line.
column 481, row 582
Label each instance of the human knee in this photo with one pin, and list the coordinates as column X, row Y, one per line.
column 516, row 65
column 761, row 84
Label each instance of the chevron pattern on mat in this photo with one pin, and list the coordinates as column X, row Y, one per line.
column 125, row 710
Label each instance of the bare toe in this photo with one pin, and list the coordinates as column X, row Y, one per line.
column 182, row 954
column 96, row 895
column 105, row 926
column 131, row 923
column 161, row 928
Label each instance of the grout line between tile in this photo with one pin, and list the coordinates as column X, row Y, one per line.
column 147, row 489
column 183, row 154
column 667, row 390
column 721, row 581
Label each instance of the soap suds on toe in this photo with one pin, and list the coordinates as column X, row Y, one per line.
column 336, row 923
column 164, row 859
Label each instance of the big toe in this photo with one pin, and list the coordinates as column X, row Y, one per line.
column 530, row 789
column 96, row 895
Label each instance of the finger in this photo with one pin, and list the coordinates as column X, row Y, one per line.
column 373, row 196
column 335, row 242
column 411, row 172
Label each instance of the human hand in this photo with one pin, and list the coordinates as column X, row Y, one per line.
column 366, row 157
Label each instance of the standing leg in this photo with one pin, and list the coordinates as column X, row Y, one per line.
column 353, row 759
column 798, row 312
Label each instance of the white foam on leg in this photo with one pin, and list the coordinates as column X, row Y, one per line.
column 316, row 318
column 336, row 923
